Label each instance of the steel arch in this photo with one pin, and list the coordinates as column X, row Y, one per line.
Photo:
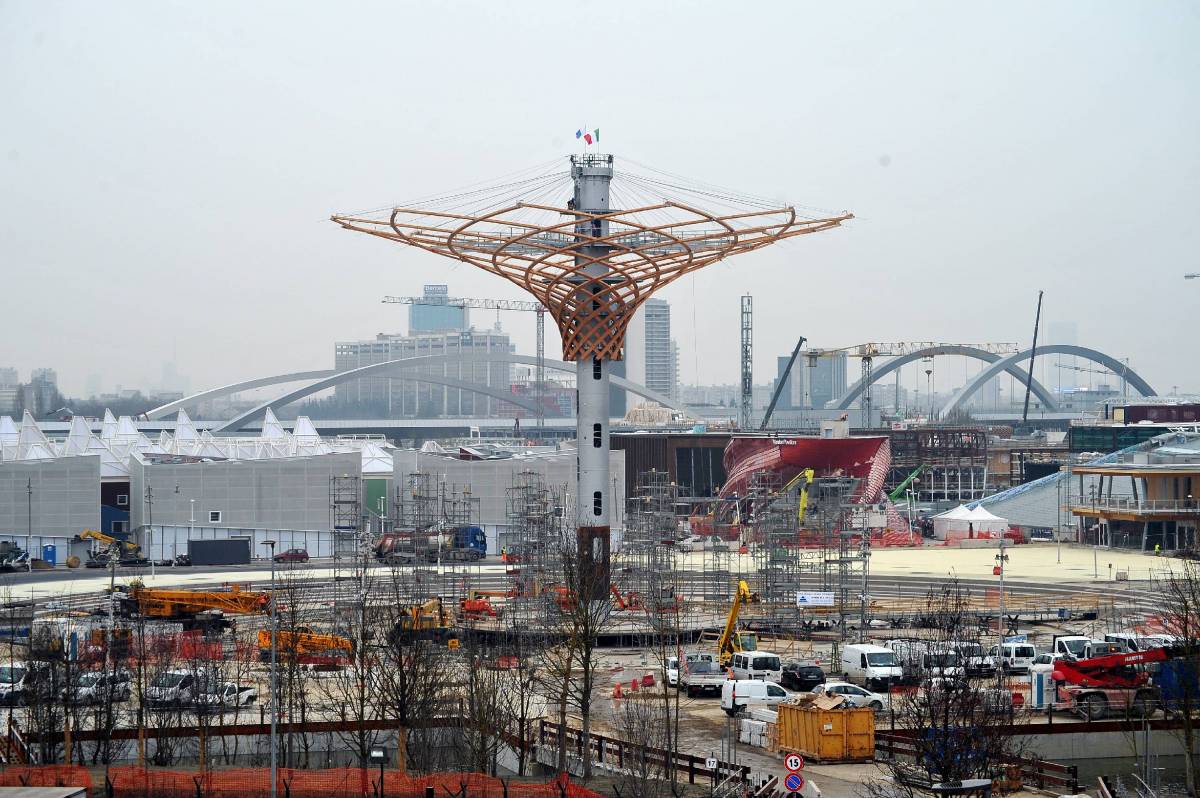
column 1096, row 356
column 856, row 389
column 331, row 377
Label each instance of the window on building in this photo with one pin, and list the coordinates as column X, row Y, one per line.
column 120, row 527
column 214, row 516
column 122, row 499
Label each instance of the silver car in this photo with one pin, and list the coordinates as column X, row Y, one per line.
column 853, row 695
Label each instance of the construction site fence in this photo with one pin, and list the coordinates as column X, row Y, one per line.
column 612, row 752
column 135, row 782
column 1034, row 772
column 46, row 776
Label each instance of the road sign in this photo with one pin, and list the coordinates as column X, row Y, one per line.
column 793, row 782
column 793, row 795
column 711, row 763
column 793, row 762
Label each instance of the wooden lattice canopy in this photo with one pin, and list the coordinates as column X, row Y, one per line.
column 590, row 270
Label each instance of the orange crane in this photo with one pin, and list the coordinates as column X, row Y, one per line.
column 306, row 646
column 196, row 608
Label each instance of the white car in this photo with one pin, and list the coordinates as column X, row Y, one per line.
column 671, row 671
column 853, row 695
column 690, row 543
column 228, row 695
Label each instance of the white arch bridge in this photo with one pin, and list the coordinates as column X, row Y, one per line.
column 404, row 368
column 996, row 365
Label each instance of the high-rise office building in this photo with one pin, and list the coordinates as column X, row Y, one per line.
column 813, row 382
column 435, row 314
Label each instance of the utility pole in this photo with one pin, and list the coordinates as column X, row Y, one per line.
column 1002, row 559
column 29, row 531
column 274, row 679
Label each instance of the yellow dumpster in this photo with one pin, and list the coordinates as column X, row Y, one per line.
column 827, row 735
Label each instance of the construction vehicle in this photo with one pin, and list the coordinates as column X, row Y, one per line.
column 475, row 609
column 632, row 601
column 805, row 480
column 306, row 647
column 1094, row 687
column 427, row 621
column 114, row 549
column 731, row 640
column 898, row 493
column 460, row 543
column 195, row 609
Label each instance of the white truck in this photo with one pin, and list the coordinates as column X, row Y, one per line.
column 923, row 659
column 701, row 676
column 873, row 666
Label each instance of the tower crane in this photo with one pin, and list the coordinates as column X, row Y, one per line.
column 499, row 304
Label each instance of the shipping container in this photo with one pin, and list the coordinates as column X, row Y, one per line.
column 827, row 735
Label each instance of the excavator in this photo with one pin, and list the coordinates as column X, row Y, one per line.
column 1094, row 686
column 306, row 647
column 731, row 640
column 114, row 549
column 428, row 621
column 195, row 609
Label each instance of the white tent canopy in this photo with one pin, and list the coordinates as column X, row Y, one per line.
column 962, row 523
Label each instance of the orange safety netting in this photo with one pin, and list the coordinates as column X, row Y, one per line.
column 134, row 782
column 46, row 776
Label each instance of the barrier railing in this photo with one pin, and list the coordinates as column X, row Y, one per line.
column 1037, row 772
column 611, row 751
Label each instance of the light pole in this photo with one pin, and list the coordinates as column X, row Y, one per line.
column 1002, row 559
column 29, row 531
column 274, row 680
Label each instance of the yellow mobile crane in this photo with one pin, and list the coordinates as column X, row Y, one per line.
column 732, row 641
column 807, row 476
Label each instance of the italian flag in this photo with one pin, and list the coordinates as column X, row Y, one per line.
column 592, row 137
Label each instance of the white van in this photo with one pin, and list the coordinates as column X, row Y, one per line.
column 1013, row 657
column 761, row 665
column 737, row 694
column 875, row 667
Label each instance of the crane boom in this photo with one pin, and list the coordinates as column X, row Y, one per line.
column 782, row 383
column 731, row 641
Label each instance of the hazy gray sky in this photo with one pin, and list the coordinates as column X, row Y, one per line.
column 168, row 168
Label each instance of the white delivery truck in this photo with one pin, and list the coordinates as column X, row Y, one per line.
column 875, row 667
column 737, row 694
column 762, row 665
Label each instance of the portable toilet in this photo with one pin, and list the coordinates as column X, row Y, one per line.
column 1041, row 688
column 49, row 553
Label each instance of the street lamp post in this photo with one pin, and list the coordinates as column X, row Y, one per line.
column 274, row 679
column 1002, row 559
column 29, row 531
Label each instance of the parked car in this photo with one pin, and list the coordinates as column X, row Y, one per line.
column 292, row 555
column 737, row 694
column 671, row 671
column 853, row 695
column 690, row 543
column 98, row 687
column 23, row 682
column 171, row 688
column 224, row 696
column 801, row 677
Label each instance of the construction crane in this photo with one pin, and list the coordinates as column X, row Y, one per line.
column 783, row 379
column 806, row 477
column 1097, row 685
column 196, row 609
column 731, row 640
column 499, row 304
column 306, row 647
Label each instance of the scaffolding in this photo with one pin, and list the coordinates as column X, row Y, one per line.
column 345, row 514
column 650, row 575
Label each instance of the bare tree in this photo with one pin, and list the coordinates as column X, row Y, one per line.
column 1179, row 594
column 645, row 720
column 417, row 672
column 960, row 730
